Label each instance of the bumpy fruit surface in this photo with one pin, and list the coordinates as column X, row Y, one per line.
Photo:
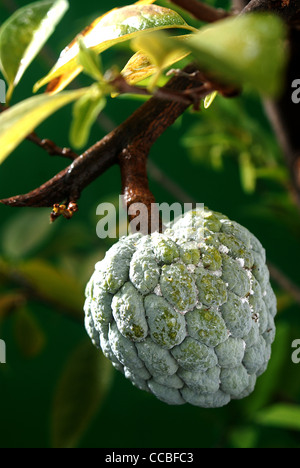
column 187, row 315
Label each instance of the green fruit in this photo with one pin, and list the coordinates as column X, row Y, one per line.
column 187, row 315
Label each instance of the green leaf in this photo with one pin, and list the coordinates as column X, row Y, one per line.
column 23, row 35
column 85, row 113
column 210, row 99
column 83, row 386
column 54, row 286
column 29, row 335
column 90, row 61
column 25, row 232
column 248, row 50
column 118, row 25
column 155, row 52
column 248, row 173
column 281, row 415
column 18, row 121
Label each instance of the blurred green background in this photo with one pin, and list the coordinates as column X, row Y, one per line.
column 55, row 389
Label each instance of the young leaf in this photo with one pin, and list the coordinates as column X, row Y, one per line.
column 82, row 388
column 210, row 99
column 85, row 113
column 281, row 415
column 23, row 35
column 28, row 333
column 90, row 61
column 247, row 50
column 141, row 66
column 118, row 25
column 18, row 121
column 156, row 49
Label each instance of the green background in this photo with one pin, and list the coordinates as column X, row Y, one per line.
column 127, row 417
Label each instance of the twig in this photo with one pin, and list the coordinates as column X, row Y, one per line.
column 174, row 189
column 51, row 148
column 202, row 11
column 289, row 10
column 284, row 282
column 47, row 145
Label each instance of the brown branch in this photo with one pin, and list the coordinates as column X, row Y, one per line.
column 133, row 138
column 284, row 282
column 51, row 148
column 289, row 10
column 135, row 188
column 140, row 132
column 202, row 11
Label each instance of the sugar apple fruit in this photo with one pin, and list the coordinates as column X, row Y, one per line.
column 187, row 315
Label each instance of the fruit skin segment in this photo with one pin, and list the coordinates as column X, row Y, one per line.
column 187, row 315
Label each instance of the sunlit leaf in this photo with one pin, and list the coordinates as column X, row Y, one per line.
column 248, row 50
column 85, row 113
column 210, row 99
column 118, row 25
column 54, row 286
column 82, row 388
column 29, row 335
column 23, row 35
column 284, row 416
column 18, row 121
column 25, row 232
column 145, row 2
column 155, row 52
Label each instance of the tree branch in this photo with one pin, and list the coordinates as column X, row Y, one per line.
column 47, row 145
column 136, row 136
column 202, row 11
column 289, row 10
column 51, row 148
column 284, row 282
column 139, row 132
